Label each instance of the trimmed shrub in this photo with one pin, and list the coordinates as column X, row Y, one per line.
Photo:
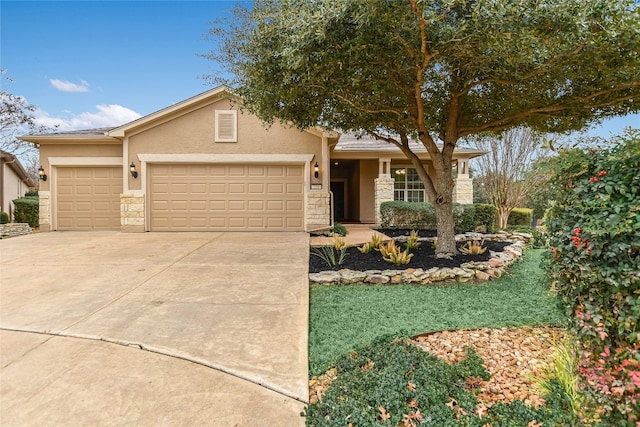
column 484, row 218
column 520, row 216
column 4, row 217
column 594, row 224
column 416, row 216
column 422, row 216
column 27, row 209
column 31, row 193
column 463, row 217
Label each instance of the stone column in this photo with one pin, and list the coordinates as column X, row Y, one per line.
column 132, row 212
column 463, row 190
column 44, row 210
column 318, row 212
column 383, row 186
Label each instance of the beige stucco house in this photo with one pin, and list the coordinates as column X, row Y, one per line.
column 205, row 165
column 14, row 182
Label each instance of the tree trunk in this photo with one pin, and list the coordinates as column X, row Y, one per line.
column 446, row 230
column 503, row 217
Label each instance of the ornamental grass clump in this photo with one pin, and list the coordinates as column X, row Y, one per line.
column 412, row 241
column 375, row 243
column 473, row 248
column 392, row 253
column 333, row 255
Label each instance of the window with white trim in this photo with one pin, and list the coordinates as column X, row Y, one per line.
column 226, row 126
column 407, row 186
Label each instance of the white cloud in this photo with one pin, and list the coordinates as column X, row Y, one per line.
column 105, row 116
column 65, row 86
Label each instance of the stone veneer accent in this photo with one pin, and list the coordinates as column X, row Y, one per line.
column 132, row 212
column 463, row 190
column 383, row 186
column 318, row 212
column 44, row 212
column 14, row 229
column 477, row 271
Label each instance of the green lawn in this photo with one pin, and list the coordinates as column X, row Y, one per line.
column 342, row 317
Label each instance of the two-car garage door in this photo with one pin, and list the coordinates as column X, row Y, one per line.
column 187, row 197
column 213, row 197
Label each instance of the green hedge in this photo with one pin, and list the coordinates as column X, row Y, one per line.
column 4, row 217
column 422, row 216
column 485, row 217
column 520, row 216
column 27, row 209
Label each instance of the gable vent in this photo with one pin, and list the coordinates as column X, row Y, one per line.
column 226, row 127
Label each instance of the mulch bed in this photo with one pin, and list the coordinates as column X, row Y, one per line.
column 424, row 257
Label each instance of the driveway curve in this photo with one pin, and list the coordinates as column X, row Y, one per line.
column 98, row 327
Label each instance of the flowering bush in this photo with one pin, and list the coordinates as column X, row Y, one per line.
column 594, row 223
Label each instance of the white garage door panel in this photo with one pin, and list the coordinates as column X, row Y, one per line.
column 226, row 197
column 88, row 198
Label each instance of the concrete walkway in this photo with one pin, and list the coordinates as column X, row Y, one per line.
column 107, row 328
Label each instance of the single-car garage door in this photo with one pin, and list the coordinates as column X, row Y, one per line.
column 88, row 198
column 216, row 197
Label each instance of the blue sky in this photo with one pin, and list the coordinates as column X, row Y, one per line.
column 100, row 63
column 103, row 63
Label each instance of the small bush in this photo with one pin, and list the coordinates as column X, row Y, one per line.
column 4, row 217
column 31, row 193
column 340, row 229
column 520, row 216
column 27, row 210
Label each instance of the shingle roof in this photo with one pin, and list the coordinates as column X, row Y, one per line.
column 351, row 143
column 84, row 132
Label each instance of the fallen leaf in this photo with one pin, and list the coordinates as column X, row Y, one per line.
column 533, row 423
column 413, row 404
column 383, row 413
column 411, row 386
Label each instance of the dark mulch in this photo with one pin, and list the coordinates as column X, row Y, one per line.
column 395, row 232
column 424, row 257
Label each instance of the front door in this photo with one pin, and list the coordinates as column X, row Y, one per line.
column 338, row 190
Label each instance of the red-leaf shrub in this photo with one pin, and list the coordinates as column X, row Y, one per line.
column 594, row 223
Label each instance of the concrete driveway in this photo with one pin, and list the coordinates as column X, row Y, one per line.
column 109, row 328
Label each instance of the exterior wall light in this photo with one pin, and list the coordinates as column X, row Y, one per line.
column 41, row 174
column 132, row 169
column 316, row 170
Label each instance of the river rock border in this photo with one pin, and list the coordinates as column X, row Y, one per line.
column 470, row 271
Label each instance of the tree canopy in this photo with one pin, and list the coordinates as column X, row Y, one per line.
column 436, row 71
column 17, row 118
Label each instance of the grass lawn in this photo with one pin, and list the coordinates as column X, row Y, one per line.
column 343, row 317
